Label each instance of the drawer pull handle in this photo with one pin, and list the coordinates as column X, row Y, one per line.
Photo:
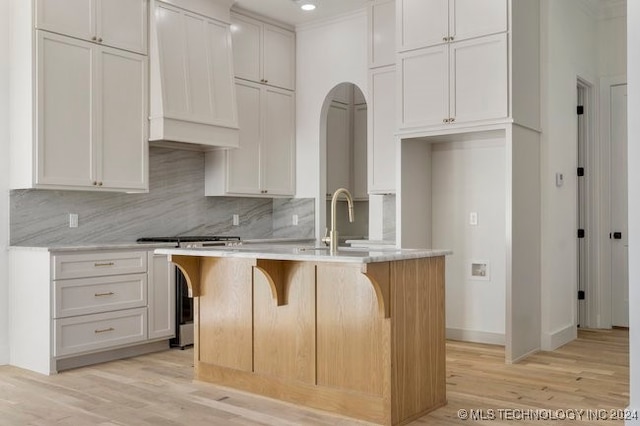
column 104, row 294
column 104, row 264
column 104, row 330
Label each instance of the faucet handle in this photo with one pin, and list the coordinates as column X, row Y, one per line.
column 326, row 239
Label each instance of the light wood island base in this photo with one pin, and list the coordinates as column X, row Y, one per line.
column 362, row 340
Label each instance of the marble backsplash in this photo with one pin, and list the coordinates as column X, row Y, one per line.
column 389, row 217
column 175, row 205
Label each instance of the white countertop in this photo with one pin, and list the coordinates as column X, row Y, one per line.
column 302, row 252
column 94, row 246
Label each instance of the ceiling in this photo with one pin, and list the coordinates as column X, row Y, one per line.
column 288, row 11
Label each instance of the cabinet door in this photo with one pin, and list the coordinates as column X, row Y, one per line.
column 422, row 23
column 479, row 82
column 360, row 152
column 243, row 164
column 473, row 18
column 279, row 57
column 199, row 107
column 424, row 83
column 277, row 161
column 123, row 24
column 70, row 17
column 246, row 35
column 338, row 148
column 382, row 34
column 382, row 128
column 162, row 297
column 65, row 106
column 122, row 119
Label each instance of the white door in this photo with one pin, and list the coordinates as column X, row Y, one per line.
column 244, row 162
column 71, row 17
column 381, row 131
column 424, row 87
column 479, row 79
column 473, row 18
column 65, row 109
column 246, row 34
column 121, row 119
column 619, row 221
column 279, row 57
column 123, row 24
column 424, row 23
column 162, row 297
column 278, row 142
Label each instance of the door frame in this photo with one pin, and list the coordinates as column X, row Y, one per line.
column 601, row 313
column 590, row 203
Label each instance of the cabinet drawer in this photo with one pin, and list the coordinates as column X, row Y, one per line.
column 94, row 295
column 99, row 264
column 100, row 331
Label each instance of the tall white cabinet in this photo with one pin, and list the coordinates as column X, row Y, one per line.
column 381, row 145
column 79, row 82
column 264, row 163
column 468, row 78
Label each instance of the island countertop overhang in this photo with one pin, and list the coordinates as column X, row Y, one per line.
column 307, row 253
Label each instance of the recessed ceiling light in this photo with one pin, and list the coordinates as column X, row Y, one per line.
column 308, row 6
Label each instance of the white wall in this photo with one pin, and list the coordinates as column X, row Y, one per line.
column 568, row 40
column 327, row 54
column 4, row 178
column 633, row 73
column 469, row 177
column 612, row 43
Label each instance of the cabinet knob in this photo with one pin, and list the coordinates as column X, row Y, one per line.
column 451, row 120
column 445, row 38
column 94, row 38
column 95, row 183
column 450, row 39
column 99, row 183
column 444, row 120
column 100, row 40
column 266, row 81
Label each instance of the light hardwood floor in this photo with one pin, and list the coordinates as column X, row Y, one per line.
column 589, row 373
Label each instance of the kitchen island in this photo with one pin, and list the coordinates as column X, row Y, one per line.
column 360, row 333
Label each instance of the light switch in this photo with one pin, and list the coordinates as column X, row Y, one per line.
column 73, row 220
column 236, row 220
column 559, row 179
column 294, row 220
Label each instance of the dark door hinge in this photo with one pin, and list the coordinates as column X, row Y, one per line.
column 580, row 294
column 580, row 110
column 580, row 171
column 581, row 233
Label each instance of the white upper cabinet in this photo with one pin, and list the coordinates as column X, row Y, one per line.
column 426, row 23
column 453, row 62
column 116, row 23
column 192, row 98
column 382, row 33
column 262, row 52
column 263, row 164
column 381, row 151
column 79, row 95
column 91, row 129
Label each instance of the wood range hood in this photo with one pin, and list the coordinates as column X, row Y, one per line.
column 192, row 91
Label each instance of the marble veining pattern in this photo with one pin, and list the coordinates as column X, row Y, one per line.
column 175, row 205
column 389, row 217
column 283, row 211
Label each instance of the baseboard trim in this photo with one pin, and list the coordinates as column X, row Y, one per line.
column 111, row 355
column 475, row 336
column 560, row 337
column 4, row 354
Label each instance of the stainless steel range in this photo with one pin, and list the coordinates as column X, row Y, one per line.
column 184, row 303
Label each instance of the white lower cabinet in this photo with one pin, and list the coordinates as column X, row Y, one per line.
column 102, row 305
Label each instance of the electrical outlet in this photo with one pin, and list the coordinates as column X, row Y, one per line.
column 236, row 220
column 473, row 218
column 294, row 220
column 73, row 220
